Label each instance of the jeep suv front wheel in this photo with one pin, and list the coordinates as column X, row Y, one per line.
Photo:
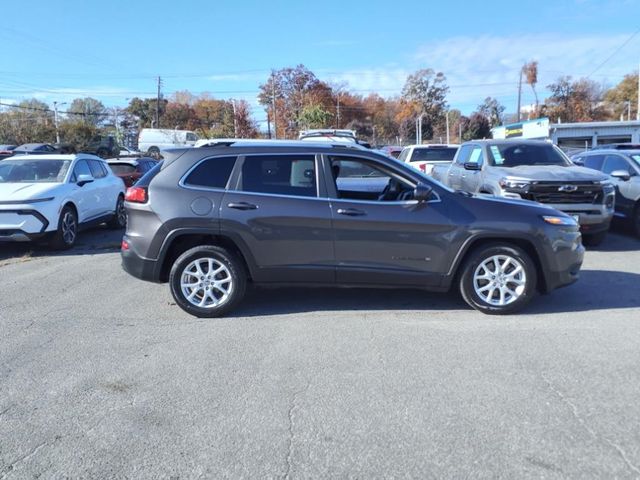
column 498, row 279
column 207, row 281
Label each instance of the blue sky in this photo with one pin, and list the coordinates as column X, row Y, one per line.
column 58, row 50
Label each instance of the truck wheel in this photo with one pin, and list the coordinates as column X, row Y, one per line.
column 498, row 279
column 207, row 281
column 594, row 239
column 102, row 153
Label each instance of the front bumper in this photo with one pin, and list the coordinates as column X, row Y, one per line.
column 22, row 225
column 565, row 257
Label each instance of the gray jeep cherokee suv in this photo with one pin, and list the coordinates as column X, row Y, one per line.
column 209, row 220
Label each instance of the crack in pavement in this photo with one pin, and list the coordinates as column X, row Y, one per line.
column 576, row 414
column 10, row 467
column 290, row 414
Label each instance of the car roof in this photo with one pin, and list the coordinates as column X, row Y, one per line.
column 259, row 143
column 31, row 145
column 130, row 161
column 600, row 151
column 509, row 141
column 434, row 145
column 55, row 156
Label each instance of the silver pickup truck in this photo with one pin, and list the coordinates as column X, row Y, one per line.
column 537, row 171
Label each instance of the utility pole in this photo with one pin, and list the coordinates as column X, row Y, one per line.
column 519, row 94
column 638, row 111
column 460, row 132
column 447, row 119
column 338, row 112
column 55, row 120
column 158, row 103
column 269, row 124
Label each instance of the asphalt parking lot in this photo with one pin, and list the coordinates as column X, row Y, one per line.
column 102, row 375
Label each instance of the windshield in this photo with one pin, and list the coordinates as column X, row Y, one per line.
column 520, row 154
column 33, row 171
column 122, row 168
column 433, row 154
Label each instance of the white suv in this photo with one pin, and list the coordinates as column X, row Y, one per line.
column 56, row 195
column 425, row 157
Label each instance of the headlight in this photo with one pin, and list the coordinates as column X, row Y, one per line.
column 560, row 220
column 514, row 183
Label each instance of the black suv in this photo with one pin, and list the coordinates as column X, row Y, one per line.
column 209, row 220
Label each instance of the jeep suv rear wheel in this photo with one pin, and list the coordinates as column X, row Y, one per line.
column 207, row 281
column 498, row 279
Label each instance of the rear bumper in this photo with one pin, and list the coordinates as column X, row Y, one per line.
column 138, row 266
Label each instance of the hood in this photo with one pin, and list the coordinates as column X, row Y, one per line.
column 11, row 192
column 550, row 173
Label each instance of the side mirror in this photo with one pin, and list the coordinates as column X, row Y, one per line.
column 472, row 166
column 623, row 175
column 422, row 192
column 84, row 179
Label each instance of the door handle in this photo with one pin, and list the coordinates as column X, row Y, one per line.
column 242, row 206
column 351, row 212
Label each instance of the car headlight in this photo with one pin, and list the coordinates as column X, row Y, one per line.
column 514, row 183
column 560, row 220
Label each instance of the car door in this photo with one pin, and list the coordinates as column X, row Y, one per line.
column 102, row 188
column 456, row 170
column 471, row 180
column 624, row 195
column 381, row 235
column 277, row 214
column 84, row 196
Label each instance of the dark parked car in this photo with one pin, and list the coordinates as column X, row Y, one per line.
column 35, row 149
column 131, row 169
column 209, row 220
column 623, row 165
column 104, row 146
column 6, row 151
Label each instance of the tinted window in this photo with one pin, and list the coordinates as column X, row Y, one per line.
column 280, row 175
column 122, row 168
column 517, row 154
column 593, row 161
column 615, row 162
column 433, row 154
column 96, row 169
column 191, row 137
column 463, row 154
column 403, row 154
column 211, row 173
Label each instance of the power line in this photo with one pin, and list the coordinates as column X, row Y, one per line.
column 624, row 44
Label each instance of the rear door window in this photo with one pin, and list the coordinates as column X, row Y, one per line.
column 593, row 161
column 96, row 169
column 280, row 175
column 211, row 173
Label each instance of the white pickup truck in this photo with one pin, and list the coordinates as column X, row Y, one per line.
column 537, row 171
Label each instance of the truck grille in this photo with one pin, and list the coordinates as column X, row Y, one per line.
column 564, row 192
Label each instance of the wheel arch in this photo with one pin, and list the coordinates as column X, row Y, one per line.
column 525, row 243
column 182, row 240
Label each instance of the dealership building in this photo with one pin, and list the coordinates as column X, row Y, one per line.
column 573, row 135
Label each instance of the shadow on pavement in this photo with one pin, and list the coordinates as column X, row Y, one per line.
column 621, row 238
column 90, row 242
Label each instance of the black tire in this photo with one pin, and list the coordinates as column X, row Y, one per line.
column 119, row 220
column 154, row 152
column 594, row 239
column 221, row 257
column 485, row 253
column 102, row 153
column 66, row 235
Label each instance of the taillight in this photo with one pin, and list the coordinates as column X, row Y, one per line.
column 124, row 246
column 136, row 195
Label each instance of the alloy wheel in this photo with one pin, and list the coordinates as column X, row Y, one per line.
column 69, row 228
column 500, row 280
column 206, row 283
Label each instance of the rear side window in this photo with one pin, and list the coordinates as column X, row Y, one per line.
column 122, row 168
column 96, row 169
column 211, row 173
column 593, row 161
column 280, row 175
